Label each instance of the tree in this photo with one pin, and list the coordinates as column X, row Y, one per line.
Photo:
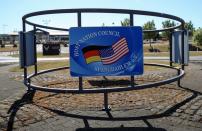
column 197, row 37
column 167, row 24
column 189, row 26
column 150, row 25
column 125, row 22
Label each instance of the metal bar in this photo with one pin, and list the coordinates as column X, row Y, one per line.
column 178, row 82
column 24, row 53
column 80, row 83
column 79, row 19
column 79, row 25
column 132, row 77
column 35, row 52
column 94, row 10
column 29, row 82
column 131, row 19
column 171, row 48
column 106, row 102
column 113, row 89
column 182, row 49
column 97, row 10
column 67, row 29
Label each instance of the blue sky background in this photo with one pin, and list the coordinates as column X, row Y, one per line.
column 11, row 12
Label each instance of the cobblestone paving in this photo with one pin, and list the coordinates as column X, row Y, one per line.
column 65, row 112
column 63, row 80
column 46, row 112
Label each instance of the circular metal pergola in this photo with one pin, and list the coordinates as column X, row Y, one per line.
column 79, row 90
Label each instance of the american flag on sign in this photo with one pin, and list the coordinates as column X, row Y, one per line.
column 115, row 52
column 106, row 54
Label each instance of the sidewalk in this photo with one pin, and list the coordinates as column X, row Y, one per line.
column 17, row 112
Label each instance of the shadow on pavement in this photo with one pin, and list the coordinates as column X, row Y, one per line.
column 167, row 112
column 188, row 89
column 110, row 117
column 122, row 129
column 105, row 83
column 26, row 98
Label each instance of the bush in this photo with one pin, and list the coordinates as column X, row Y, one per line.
column 2, row 46
column 15, row 45
column 197, row 37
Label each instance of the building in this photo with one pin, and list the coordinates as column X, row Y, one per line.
column 42, row 37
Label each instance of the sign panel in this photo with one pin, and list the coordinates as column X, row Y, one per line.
column 177, row 44
column 106, row 51
column 21, row 50
column 29, row 50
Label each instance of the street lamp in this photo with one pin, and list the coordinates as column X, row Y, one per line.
column 46, row 21
column 4, row 28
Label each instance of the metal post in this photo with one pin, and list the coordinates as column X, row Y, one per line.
column 24, row 54
column 79, row 25
column 132, row 81
column 80, row 83
column 131, row 19
column 171, row 47
column 106, row 103
column 131, row 77
column 178, row 82
column 182, row 48
column 29, row 83
column 35, row 52
column 79, row 19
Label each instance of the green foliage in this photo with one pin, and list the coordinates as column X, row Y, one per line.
column 150, row 25
column 125, row 22
column 167, row 24
column 190, row 27
column 197, row 37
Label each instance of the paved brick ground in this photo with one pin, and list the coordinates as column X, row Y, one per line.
column 182, row 109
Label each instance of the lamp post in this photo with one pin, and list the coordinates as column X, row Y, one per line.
column 4, row 28
column 46, row 22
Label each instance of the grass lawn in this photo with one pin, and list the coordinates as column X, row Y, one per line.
column 4, row 64
column 42, row 66
column 8, row 49
column 153, row 54
column 163, row 47
column 40, row 55
column 191, row 53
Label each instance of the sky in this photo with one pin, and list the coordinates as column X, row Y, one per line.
column 11, row 12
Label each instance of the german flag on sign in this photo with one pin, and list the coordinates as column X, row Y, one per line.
column 106, row 54
column 91, row 54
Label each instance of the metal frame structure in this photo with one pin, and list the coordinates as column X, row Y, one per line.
column 80, row 89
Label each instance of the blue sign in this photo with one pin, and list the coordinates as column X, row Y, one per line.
column 106, row 51
column 29, row 50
